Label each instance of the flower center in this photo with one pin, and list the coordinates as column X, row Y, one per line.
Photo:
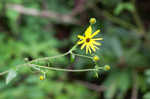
column 88, row 40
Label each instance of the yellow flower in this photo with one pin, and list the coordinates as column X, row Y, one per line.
column 88, row 40
column 41, row 77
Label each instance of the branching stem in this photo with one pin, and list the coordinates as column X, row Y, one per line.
column 65, row 70
column 31, row 63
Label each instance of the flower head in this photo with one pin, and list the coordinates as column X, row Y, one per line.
column 106, row 67
column 41, row 77
column 92, row 21
column 96, row 58
column 88, row 41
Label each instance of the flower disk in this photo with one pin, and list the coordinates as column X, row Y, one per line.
column 88, row 41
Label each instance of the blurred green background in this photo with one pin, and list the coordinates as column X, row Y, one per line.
column 40, row 28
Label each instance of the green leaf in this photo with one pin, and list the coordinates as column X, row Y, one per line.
column 117, row 81
column 111, row 3
column 1, row 6
column 147, row 95
column 123, row 6
column 147, row 72
column 117, row 47
column 13, row 16
column 96, row 74
column 112, row 90
column 72, row 58
column 11, row 75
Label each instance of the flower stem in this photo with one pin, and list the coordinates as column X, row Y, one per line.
column 82, row 55
column 51, row 57
column 31, row 63
column 66, row 70
column 137, row 18
column 5, row 72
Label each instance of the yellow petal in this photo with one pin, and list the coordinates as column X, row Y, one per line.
column 80, row 42
column 98, row 39
column 88, row 31
column 80, row 36
column 96, row 43
column 95, row 33
column 96, row 47
column 90, row 50
column 83, row 46
column 92, row 47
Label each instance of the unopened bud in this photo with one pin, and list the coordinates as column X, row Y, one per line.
column 96, row 58
column 106, row 67
column 41, row 77
column 92, row 20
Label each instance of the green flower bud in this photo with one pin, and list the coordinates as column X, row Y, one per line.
column 41, row 77
column 92, row 21
column 106, row 67
column 96, row 58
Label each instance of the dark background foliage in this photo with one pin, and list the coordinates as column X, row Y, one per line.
column 39, row 28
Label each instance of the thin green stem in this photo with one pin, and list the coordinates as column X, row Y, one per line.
column 51, row 57
column 73, row 48
column 118, row 20
column 41, row 59
column 36, row 60
column 3, row 73
column 82, row 56
column 53, row 68
column 137, row 18
column 66, row 70
column 113, row 19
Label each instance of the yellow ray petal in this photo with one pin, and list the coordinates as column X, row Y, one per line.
column 98, row 39
column 83, row 46
column 80, row 42
column 92, row 47
column 96, row 43
column 87, row 48
column 81, row 37
column 88, row 31
column 96, row 47
column 95, row 33
column 90, row 50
